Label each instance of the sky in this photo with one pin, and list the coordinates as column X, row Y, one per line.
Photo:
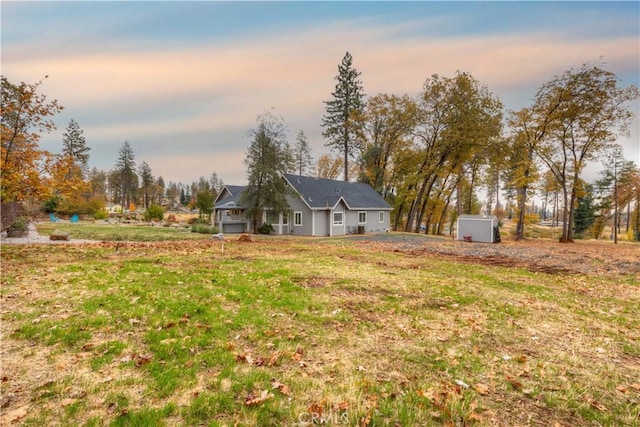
column 184, row 82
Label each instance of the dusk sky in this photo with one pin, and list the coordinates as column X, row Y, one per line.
column 183, row 82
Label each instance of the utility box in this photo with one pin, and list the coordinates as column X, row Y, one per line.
column 478, row 228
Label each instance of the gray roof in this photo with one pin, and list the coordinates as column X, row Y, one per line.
column 319, row 193
column 229, row 199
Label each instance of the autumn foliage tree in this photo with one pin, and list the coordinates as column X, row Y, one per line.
column 26, row 114
column 590, row 110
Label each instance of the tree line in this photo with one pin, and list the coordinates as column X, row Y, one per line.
column 429, row 155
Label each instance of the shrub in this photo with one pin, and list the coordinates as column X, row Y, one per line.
column 265, row 228
column 154, row 212
column 204, row 229
column 101, row 214
column 51, row 204
column 171, row 218
column 20, row 223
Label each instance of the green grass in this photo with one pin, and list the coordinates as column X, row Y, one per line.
column 280, row 331
column 121, row 232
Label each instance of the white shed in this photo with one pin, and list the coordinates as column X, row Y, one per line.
column 478, row 228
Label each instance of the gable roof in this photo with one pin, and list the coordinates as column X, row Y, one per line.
column 320, row 193
column 229, row 196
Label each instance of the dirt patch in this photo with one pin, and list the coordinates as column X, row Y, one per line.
column 539, row 255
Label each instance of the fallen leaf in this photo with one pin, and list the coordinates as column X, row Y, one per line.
column 297, row 356
column 342, row 407
column 481, row 388
column 635, row 386
column 315, row 410
column 282, row 388
column 273, row 360
column 475, row 417
column 515, row 383
column 142, row 359
column 622, row 389
column 257, row 398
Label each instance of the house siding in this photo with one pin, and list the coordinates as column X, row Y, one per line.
column 321, row 222
column 340, row 230
column 374, row 225
column 297, row 205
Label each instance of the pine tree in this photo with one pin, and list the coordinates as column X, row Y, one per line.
column 265, row 166
column 147, row 181
column 74, row 145
column 125, row 172
column 302, row 154
column 343, row 110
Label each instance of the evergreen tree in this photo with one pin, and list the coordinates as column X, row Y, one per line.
column 585, row 214
column 265, row 166
column 74, row 145
column 126, row 175
column 302, row 154
column 158, row 196
column 148, row 182
column 341, row 121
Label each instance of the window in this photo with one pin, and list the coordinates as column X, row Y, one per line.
column 285, row 218
column 297, row 218
column 272, row 217
column 381, row 216
column 362, row 217
column 337, row 218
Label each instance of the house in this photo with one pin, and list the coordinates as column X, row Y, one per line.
column 228, row 214
column 478, row 228
column 318, row 207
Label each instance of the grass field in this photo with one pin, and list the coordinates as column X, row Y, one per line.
column 110, row 232
column 292, row 331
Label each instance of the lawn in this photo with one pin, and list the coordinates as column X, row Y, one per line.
column 282, row 331
column 121, row 232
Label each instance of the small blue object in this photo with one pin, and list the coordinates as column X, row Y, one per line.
column 74, row 219
column 53, row 218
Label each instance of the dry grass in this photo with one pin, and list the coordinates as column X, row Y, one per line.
column 279, row 331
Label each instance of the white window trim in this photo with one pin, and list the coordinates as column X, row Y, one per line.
column 365, row 218
column 381, row 216
column 333, row 219
column 297, row 215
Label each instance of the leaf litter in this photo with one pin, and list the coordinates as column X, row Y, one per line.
column 545, row 348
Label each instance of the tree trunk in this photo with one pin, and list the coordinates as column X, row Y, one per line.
column 497, row 197
column 398, row 219
column 471, row 185
column 522, row 198
column 567, row 228
column 426, row 195
column 413, row 208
